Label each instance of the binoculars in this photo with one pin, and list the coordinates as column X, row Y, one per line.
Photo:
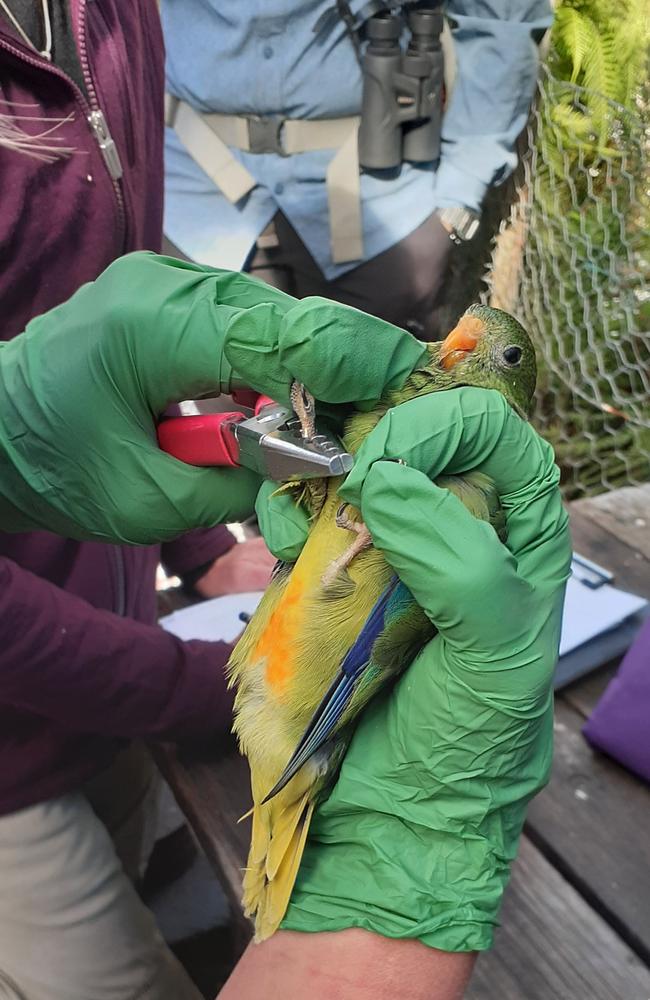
column 401, row 107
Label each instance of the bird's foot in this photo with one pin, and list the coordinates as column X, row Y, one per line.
column 362, row 542
column 305, row 409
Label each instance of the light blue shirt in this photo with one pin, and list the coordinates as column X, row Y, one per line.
column 262, row 57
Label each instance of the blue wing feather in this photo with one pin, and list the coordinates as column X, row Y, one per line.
column 358, row 655
column 337, row 698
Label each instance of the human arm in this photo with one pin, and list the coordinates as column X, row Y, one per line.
column 197, row 549
column 211, row 563
column 349, row 965
column 234, row 567
column 247, row 566
column 81, row 390
column 496, row 50
column 417, row 836
column 93, row 671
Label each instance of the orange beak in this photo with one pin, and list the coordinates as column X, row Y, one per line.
column 461, row 341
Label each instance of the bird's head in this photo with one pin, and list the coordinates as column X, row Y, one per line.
column 489, row 349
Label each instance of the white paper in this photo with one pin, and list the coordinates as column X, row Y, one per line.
column 589, row 612
column 214, row 620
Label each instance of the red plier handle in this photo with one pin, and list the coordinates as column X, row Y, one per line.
column 207, row 438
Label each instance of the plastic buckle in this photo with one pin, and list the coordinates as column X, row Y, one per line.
column 265, row 135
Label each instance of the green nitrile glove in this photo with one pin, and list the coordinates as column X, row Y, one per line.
column 283, row 523
column 341, row 354
column 417, row 836
column 81, row 389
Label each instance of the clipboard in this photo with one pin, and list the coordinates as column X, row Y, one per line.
column 600, row 621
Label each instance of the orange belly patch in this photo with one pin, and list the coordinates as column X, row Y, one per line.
column 277, row 642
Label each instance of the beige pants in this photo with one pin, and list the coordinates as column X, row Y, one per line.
column 72, row 926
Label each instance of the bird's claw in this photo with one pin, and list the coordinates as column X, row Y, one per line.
column 343, row 520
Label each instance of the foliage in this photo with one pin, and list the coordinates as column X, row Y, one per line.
column 584, row 290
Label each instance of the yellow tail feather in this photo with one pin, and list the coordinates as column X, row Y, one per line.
column 283, row 835
column 277, row 843
column 277, row 893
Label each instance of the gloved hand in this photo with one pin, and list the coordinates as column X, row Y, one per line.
column 81, row 389
column 417, row 836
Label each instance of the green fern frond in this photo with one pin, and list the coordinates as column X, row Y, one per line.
column 575, row 123
column 602, row 47
column 571, row 35
column 597, row 70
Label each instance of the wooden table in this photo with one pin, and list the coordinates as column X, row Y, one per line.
column 575, row 923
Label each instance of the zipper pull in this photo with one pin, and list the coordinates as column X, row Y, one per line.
column 106, row 143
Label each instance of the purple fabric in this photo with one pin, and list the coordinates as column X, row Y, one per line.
column 74, row 677
column 620, row 723
column 75, row 680
column 61, row 223
column 182, row 555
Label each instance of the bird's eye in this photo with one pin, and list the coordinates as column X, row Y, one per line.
column 512, row 355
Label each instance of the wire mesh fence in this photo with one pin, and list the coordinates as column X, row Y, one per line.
column 572, row 261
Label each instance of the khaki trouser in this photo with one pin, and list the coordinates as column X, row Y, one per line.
column 72, row 926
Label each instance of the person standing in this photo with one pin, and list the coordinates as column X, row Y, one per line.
column 261, row 164
column 81, row 181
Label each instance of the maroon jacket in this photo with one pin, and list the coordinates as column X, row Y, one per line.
column 81, row 664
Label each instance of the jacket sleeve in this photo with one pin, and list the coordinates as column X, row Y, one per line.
column 92, row 671
column 197, row 548
column 497, row 59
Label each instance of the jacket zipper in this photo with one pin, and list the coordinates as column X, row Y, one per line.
column 106, row 144
column 92, row 113
column 111, row 157
column 99, row 127
column 121, row 68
